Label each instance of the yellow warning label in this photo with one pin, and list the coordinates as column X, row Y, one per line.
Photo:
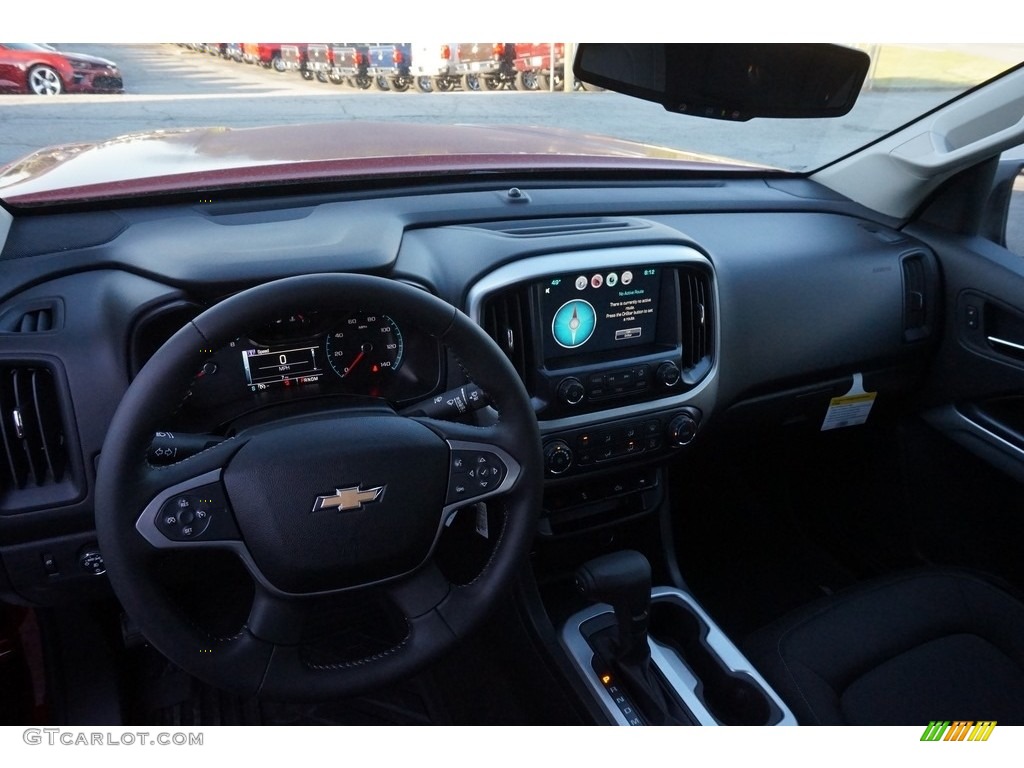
column 850, row 409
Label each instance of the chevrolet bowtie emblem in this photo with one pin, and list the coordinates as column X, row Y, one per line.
column 345, row 499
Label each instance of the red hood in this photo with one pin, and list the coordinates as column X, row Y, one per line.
column 218, row 158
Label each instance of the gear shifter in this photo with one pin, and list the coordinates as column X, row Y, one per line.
column 623, row 579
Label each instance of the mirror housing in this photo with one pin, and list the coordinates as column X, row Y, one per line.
column 730, row 81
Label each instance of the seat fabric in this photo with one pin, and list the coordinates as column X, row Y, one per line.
column 930, row 645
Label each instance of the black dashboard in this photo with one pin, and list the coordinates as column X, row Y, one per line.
column 639, row 316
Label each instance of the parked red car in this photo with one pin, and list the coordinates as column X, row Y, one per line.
column 45, row 71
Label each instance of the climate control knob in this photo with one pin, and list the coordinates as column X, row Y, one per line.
column 668, row 374
column 682, row 429
column 557, row 457
column 571, row 391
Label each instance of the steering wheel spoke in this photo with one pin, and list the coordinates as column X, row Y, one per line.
column 420, row 593
column 276, row 619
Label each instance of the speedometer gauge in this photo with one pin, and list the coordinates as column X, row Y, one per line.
column 365, row 347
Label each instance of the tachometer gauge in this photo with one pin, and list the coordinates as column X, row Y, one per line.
column 365, row 347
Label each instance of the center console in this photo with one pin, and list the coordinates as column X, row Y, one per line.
column 654, row 657
column 618, row 349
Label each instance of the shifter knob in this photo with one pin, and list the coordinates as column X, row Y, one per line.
column 622, row 579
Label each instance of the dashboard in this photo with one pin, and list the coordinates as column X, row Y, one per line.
column 640, row 317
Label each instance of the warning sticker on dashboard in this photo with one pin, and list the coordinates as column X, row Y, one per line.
column 850, row 409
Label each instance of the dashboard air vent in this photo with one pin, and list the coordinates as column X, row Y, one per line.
column 506, row 319
column 915, row 298
column 555, row 228
column 35, row 317
column 698, row 325
column 33, row 444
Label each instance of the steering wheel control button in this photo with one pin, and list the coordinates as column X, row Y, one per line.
column 178, row 519
column 474, row 473
column 198, row 515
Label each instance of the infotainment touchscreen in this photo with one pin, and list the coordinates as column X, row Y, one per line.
column 599, row 310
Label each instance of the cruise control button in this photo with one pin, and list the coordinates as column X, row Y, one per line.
column 202, row 513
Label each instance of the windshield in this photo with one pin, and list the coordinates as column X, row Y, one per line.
column 80, row 97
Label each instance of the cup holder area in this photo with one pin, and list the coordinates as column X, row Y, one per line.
column 704, row 671
column 732, row 697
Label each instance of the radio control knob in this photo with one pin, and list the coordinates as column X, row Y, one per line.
column 668, row 374
column 682, row 429
column 557, row 457
column 571, row 391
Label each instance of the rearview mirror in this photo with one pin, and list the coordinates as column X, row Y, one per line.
column 735, row 81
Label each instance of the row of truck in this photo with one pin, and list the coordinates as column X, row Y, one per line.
column 427, row 67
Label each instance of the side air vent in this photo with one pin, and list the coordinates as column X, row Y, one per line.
column 698, row 324
column 34, row 450
column 34, row 317
column 506, row 319
column 915, row 298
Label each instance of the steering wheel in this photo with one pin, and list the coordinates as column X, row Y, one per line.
column 346, row 502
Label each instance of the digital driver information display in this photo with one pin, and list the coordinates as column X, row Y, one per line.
column 598, row 311
column 277, row 365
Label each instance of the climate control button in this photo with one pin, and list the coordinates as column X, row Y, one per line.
column 558, row 457
column 682, row 429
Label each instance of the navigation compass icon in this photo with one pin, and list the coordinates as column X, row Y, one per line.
column 574, row 323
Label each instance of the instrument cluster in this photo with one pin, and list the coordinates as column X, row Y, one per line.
column 308, row 355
